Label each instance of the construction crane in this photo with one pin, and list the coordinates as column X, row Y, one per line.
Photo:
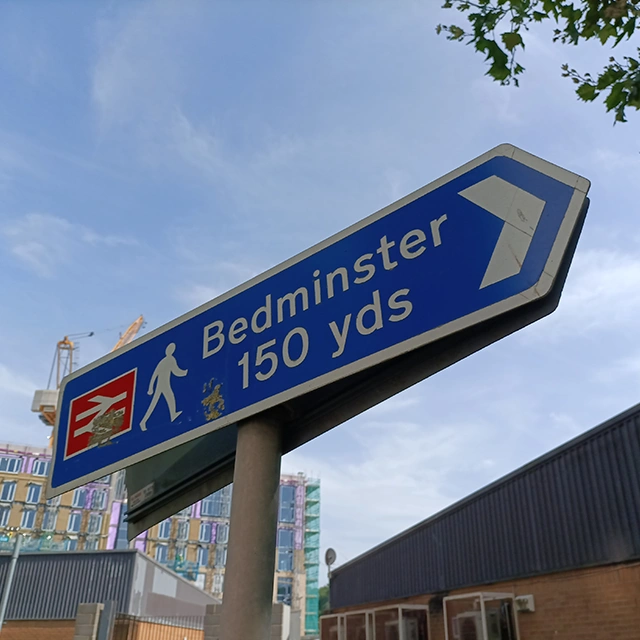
column 45, row 401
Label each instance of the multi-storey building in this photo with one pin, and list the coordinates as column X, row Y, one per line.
column 76, row 520
column 193, row 542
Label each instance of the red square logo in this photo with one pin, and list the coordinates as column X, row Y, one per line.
column 100, row 414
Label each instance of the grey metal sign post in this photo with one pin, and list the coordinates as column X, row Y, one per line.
column 248, row 589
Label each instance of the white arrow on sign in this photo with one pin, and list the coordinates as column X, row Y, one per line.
column 521, row 213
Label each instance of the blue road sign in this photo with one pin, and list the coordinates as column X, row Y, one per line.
column 481, row 241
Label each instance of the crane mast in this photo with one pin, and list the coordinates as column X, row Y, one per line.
column 45, row 401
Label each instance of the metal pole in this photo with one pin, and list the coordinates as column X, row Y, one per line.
column 248, row 588
column 9, row 580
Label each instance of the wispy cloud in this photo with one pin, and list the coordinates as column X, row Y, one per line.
column 43, row 242
column 389, row 488
column 394, row 474
column 620, row 369
column 139, row 74
column 15, row 384
column 196, row 294
column 602, row 293
column 11, row 163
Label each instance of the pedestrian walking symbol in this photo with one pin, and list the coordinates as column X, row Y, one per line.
column 160, row 385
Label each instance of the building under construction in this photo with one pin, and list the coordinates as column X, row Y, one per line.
column 193, row 543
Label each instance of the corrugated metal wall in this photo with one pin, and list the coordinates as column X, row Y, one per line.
column 575, row 507
column 49, row 586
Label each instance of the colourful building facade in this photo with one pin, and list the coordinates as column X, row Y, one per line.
column 192, row 543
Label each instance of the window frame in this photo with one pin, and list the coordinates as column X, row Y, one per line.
column 222, row 526
column 32, row 486
column 92, row 540
column 17, row 459
column 47, row 512
column 41, row 461
column 218, row 577
column 222, row 549
column 80, row 491
column 288, row 505
column 74, row 514
column 93, row 516
column 205, row 525
column 285, row 551
column 182, row 532
column 8, row 483
column 167, row 522
column 165, row 548
column 103, row 494
column 202, row 549
column 289, row 581
column 25, row 511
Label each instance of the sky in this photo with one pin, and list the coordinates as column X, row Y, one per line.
column 154, row 155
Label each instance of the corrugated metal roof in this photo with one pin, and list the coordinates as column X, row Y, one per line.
column 49, row 586
column 577, row 506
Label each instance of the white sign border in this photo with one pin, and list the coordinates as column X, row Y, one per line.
column 540, row 289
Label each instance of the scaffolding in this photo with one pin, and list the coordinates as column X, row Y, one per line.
column 312, row 554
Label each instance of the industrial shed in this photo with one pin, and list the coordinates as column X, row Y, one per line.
column 549, row 551
column 50, row 586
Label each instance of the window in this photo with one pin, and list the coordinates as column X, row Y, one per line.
column 71, row 544
column 49, row 519
column 10, row 464
column 40, row 467
column 53, row 502
column 205, row 532
column 120, row 490
column 185, row 513
column 164, row 529
column 287, row 503
column 75, row 518
column 285, row 549
column 207, row 506
column 28, row 518
column 203, row 556
column 285, row 587
column 221, row 555
column 162, row 552
column 104, row 480
column 95, row 523
column 8, row 491
column 4, row 515
column 99, row 499
column 33, row 493
column 222, row 534
column 183, row 529
column 122, row 541
column 79, row 498
column 218, row 582
column 217, row 504
column 91, row 543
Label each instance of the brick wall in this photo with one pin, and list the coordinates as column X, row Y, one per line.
column 143, row 630
column 601, row 603
column 38, row 629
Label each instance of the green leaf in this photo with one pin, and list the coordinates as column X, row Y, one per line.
column 499, row 72
column 616, row 96
column 606, row 32
column 456, row 33
column 538, row 16
column 512, row 40
column 587, row 92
